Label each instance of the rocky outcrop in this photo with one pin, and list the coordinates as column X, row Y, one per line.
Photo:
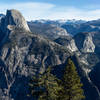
column 13, row 19
column 88, row 45
column 10, row 22
column 84, row 42
column 67, row 42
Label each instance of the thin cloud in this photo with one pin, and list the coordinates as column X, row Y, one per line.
column 37, row 10
column 31, row 10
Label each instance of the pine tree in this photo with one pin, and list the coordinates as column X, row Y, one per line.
column 50, row 85
column 35, row 86
column 72, row 87
column 45, row 86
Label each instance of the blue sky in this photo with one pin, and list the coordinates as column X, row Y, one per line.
column 54, row 9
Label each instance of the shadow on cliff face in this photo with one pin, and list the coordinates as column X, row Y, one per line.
column 20, row 88
column 3, row 83
column 95, row 75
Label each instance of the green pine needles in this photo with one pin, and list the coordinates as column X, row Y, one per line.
column 72, row 87
column 46, row 86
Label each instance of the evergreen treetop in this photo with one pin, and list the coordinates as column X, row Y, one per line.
column 72, row 86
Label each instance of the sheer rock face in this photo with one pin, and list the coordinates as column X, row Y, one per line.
column 13, row 19
column 72, row 46
column 88, row 45
column 67, row 42
column 84, row 42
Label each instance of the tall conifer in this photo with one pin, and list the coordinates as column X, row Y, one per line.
column 72, row 87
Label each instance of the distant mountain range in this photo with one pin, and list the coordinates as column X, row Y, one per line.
column 72, row 26
column 28, row 48
column 58, row 22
